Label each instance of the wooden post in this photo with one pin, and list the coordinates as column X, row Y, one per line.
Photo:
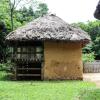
column 43, row 62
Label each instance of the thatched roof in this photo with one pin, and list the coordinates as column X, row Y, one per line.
column 48, row 27
column 97, row 11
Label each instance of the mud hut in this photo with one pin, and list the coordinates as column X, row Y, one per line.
column 47, row 48
column 97, row 11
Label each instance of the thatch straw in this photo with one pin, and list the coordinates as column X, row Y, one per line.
column 48, row 27
column 97, row 11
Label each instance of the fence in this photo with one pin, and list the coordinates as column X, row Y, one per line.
column 91, row 67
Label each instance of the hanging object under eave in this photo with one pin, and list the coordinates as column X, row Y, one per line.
column 97, row 11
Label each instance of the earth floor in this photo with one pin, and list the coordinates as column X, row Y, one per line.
column 92, row 77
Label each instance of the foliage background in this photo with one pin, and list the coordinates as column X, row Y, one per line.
column 93, row 29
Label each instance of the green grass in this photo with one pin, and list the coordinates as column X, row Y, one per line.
column 90, row 94
column 40, row 90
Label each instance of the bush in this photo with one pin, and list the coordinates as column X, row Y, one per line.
column 6, row 66
column 90, row 57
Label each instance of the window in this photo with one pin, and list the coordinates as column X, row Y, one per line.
column 39, row 51
column 29, row 53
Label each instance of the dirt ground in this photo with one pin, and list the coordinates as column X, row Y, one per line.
column 93, row 77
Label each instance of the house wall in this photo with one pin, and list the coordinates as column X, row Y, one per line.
column 62, row 61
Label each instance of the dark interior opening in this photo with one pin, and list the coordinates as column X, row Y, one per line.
column 30, row 71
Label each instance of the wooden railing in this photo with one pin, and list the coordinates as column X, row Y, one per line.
column 91, row 67
column 26, row 60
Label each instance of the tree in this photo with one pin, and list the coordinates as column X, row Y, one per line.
column 25, row 15
column 2, row 42
column 93, row 29
column 13, row 4
column 41, row 10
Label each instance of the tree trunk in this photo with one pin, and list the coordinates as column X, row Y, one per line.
column 12, row 24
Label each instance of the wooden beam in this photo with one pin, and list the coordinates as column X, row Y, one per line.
column 29, row 68
column 28, row 74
